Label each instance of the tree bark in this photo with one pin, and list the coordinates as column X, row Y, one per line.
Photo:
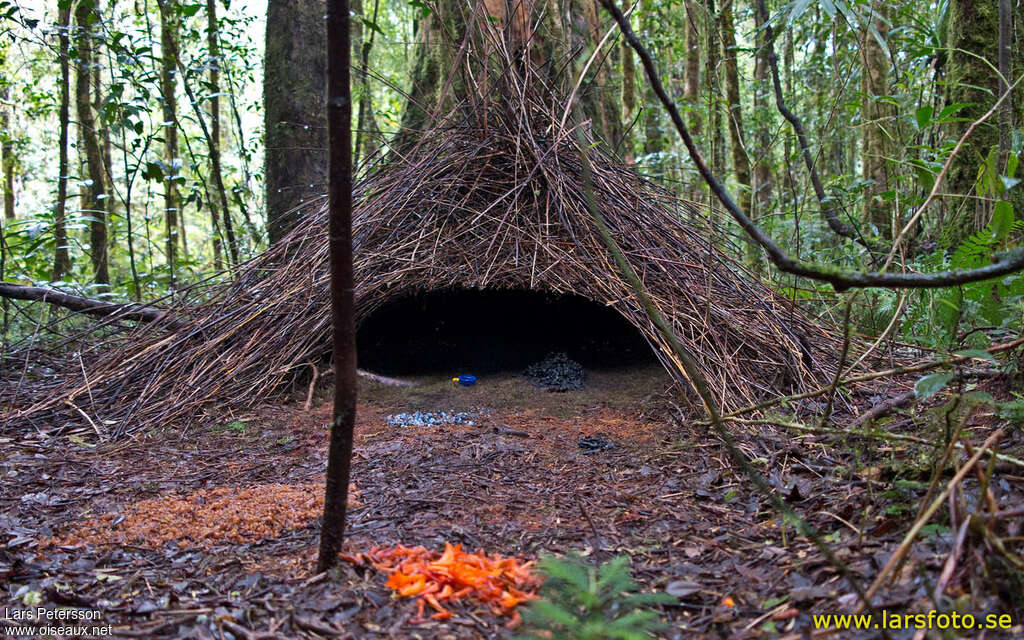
column 296, row 132
column 691, row 84
column 875, row 117
column 61, row 257
column 715, row 136
column 172, row 162
column 95, row 193
column 628, row 95
column 973, row 41
column 339, row 118
column 740, row 161
column 213, row 49
column 7, row 151
column 87, row 306
column 763, row 183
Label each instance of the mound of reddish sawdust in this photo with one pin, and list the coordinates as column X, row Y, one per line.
column 206, row 516
column 500, row 583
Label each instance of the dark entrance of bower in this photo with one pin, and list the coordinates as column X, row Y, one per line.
column 490, row 331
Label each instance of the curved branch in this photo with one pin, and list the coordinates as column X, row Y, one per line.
column 827, row 210
column 1005, row 262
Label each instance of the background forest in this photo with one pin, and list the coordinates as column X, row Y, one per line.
column 518, row 165
column 147, row 145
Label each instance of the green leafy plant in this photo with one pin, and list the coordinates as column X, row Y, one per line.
column 580, row 601
column 236, row 426
column 939, row 315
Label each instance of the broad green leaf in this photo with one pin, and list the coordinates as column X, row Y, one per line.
column 1002, row 220
column 929, row 385
column 980, row 354
column 949, row 110
column 924, row 116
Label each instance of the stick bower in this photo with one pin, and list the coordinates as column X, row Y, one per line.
column 494, row 201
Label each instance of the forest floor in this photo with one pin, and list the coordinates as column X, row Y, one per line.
column 211, row 532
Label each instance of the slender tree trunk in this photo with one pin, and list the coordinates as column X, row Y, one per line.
column 602, row 94
column 339, row 116
column 788, row 58
column 216, row 171
column 61, row 257
column 628, row 95
column 172, row 162
column 7, row 161
column 103, row 135
column 740, row 161
column 714, row 90
column 763, row 183
column 7, row 151
column 213, row 48
column 691, row 85
column 95, row 196
column 874, row 114
column 296, row 132
column 365, row 118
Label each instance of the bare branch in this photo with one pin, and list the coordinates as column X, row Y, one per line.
column 87, row 306
column 1005, row 262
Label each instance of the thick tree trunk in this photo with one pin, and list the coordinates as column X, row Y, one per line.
column 95, row 193
column 434, row 90
column 973, row 42
column 61, row 258
column 875, row 116
column 295, row 107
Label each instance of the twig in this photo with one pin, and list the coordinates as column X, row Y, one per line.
column 881, row 409
column 950, row 564
column 842, row 360
column 312, row 387
column 99, row 434
column 908, row 540
column 390, row 382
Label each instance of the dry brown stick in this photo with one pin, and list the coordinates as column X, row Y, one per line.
column 312, row 387
column 877, row 435
column 887, row 373
column 881, row 409
column 950, row 564
column 908, row 540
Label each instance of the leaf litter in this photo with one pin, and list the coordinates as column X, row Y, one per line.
column 665, row 496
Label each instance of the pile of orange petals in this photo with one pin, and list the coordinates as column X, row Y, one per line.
column 500, row 583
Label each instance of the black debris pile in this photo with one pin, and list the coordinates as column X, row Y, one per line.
column 593, row 444
column 557, row 372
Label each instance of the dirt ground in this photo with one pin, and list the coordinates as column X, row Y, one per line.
column 211, row 532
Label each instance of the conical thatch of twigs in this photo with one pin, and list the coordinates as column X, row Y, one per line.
column 493, row 200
